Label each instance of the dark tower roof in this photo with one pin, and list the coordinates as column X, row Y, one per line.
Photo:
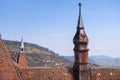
column 80, row 22
column 80, row 34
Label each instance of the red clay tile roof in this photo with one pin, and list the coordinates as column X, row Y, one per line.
column 7, row 69
column 22, row 60
column 46, row 73
column 10, row 70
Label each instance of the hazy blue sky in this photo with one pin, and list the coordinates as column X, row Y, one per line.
column 52, row 24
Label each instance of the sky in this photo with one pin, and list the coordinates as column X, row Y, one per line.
column 52, row 24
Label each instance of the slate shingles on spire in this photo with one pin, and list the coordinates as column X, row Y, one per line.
column 80, row 33
column 80, row 21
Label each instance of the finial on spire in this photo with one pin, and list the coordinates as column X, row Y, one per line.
column 80, row 9
column 80, row 4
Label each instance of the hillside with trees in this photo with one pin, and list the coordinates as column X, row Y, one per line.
column 37, row 55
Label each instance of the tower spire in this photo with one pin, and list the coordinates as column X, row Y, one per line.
column 22, row 45
column 80, row 21
column 80, row 40
column 21, row 57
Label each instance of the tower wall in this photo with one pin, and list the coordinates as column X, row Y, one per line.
column 81, row 67
column 81, row 57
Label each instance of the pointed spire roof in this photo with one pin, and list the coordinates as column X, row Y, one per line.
column 80, row 21
column 21, row 60
column 22, row 43
column 80, row 33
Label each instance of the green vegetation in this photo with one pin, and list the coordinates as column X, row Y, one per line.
column 37, row 55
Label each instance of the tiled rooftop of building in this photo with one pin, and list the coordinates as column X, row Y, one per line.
column 105, row 73
column 46, row 74
column 10, row 70
column 7, row 68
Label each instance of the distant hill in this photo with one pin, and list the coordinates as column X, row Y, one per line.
column 71, row 58
column 101, row 60
column 37, row 55
column 104, row 60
